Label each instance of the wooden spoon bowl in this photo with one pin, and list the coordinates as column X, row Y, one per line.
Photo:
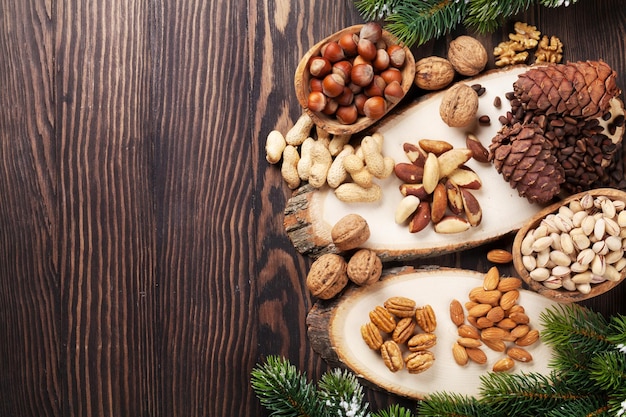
column 561, row 294
column 330, row 123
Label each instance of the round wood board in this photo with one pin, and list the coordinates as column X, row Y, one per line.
column 334, row 331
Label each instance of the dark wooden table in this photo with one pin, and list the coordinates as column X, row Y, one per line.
column 144, row 269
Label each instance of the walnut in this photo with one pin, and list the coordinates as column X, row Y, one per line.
column 549, row 50
column 514, row 51
column 525, row 34
column 510, row 53
column 467, row 55
column 433, row 73
column 459, row 105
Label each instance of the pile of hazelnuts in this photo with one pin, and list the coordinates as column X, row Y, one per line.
column 356, row 75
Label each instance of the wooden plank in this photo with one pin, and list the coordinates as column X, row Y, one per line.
column 106, row 238
column 29, row 275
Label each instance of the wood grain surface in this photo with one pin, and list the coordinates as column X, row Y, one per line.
column 144, row 268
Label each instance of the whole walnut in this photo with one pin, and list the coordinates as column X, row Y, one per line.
column 433, row 73
column 459, row 105
column 467, row 55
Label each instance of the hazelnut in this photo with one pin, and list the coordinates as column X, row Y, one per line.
column 316, row 101
column 359, row 102
column 333, row 85
column 319, row 66
column 342, row 68
column 393, row 92
column 376, row 87
column 381, row 61
column 467, row 55
column 371, row 31
column 375, row 107
column 346, row 114
column 391, row 74
column 397, row 55
column 348, row 44
column 362, row 74
column 346, row 97
column 358, row 60
column 331, row 107
column 333, row 52
column 367, row 49
column 315, row 84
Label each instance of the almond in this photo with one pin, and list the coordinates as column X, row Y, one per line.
column 487, row 297
column 460, row 354
column 499, row 256
column 465, row 330
column 483, row 323
column 491, row 279
column 507, row 324
column 531, row 337
column 503, row 365
column 519, row 317
column 456, row 313
column 476, row 355
column 495, row 345
column 494, row 333
column 496, row 314
column 469, row 342
column 520, row 330
column 479, row 310
column 519, row 354
column 509, row 299
column 509, row 284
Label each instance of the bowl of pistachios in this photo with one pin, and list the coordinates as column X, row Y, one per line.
column 573, row 250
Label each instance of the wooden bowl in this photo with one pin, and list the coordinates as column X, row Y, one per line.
column 330, row 123
column 561, row 294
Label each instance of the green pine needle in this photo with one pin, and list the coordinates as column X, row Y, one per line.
column 453, row 405
column 595, row 406
column 393, row 411
column 342, row 394
column 487, row 15
column 284, row 390
column 608, row 369
column 576, row 325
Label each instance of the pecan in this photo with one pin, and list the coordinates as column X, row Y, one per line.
column 400, row 306
column 392, row 355
column 425, row 317
column 417, row 362
column 403, row 331
column 371, row 335
column 383, row 319
column 421, row 341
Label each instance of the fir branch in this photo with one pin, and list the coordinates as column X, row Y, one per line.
column 617, row 328
column 394, row 410
column 376, row 9
column 414, row 22
column 487, row 15
column 594, row 406
column 556, row 3
column 342, row 394
column 608, row 369
column 576, row 325
column 526, row 394
column 284, row 390
column 453, row 405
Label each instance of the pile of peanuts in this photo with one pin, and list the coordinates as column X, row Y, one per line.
column 351, row 170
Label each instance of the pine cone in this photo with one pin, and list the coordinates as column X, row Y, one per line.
column 524, row 157
column 578, row 89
